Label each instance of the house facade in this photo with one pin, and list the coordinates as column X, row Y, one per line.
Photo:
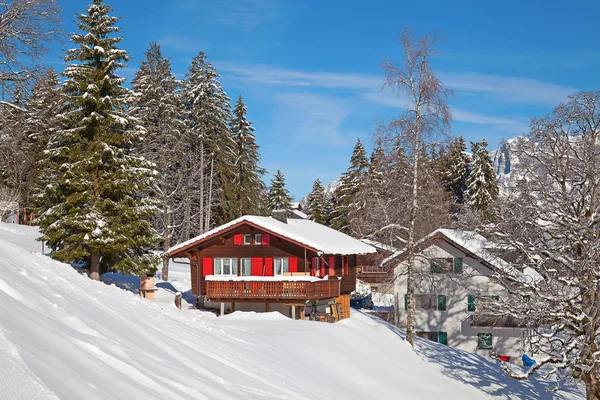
column 291, row 265
column 453, row 285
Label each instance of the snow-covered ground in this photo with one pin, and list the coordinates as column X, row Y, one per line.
column 65, row 336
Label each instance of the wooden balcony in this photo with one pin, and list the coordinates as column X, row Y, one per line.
column 272, row 290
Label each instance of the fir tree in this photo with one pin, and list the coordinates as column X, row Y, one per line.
column 456, row 169
column 248, row 180
column 158, row 108
column 210, row 137
column 96, row 209
column 346, row 205
column 481, row 184
column 317, row 203
column 278, row 198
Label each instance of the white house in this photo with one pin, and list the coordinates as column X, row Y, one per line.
column 453, row 280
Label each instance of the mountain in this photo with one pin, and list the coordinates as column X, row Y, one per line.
column 506, row 164
column 329, row 190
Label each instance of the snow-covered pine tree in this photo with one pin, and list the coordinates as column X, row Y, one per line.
column 455, row 170
column 317, row 203
column 211, row 148
column 481, row 183
column 159, row 109
column 96, row 209
column 249, row 185
column 278, row 198
column 347, row 206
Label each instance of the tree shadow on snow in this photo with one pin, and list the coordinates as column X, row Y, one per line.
column 130, row 283
column 485, row 374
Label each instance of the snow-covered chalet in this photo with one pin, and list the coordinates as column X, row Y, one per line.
column 453, row 285
column 280, row 263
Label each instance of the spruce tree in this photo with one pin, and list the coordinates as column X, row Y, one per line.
column 159, row 110
column 481, row 184
column 211, row 141
column 347, row 205
column 318, row 203
column 278, row 198
column 456, row 169
column 248, row 181
column 96, row 208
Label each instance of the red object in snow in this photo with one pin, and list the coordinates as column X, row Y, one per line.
column 504, row 358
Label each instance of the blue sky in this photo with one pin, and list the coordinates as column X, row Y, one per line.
column 309, row 69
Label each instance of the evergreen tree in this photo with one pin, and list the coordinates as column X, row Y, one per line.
column 159, row 109
column 481, row 184
column 317, row 203
column 346, row 204
column 211, row 141
column 248, row 180
column 96, row 209
column 278, row 198
column 455, row 170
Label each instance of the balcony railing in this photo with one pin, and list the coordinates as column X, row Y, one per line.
column 495, row 321
column 272, row 290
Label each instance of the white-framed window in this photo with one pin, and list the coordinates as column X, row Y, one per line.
column 226, row 266
column 282, row 265
column 258, row 238
column 246, row 267
column 445, row 265
column 247, row 238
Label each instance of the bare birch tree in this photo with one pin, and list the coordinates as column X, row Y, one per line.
column 427, row 116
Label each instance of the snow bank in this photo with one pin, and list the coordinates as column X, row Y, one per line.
column 65, row 336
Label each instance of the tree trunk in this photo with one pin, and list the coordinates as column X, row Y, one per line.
column 185, row 229
column 201, row 224
column 210, row 186
column 592, row 385
column 410, row 246
column 166, row 239
column 95, row 265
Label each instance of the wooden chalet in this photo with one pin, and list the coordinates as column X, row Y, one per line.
column 370, row 270
column 279, row 260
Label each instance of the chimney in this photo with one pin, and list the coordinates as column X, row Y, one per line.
column 280, row 215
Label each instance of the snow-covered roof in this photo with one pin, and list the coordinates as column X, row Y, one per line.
column 306, row 232
column 299, row 213
column 379, row 245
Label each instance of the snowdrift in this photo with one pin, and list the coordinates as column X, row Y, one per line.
column 64, row 336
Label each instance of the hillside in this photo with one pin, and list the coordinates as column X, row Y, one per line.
column 65, row 336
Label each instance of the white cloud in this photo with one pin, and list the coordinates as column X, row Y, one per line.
column 510, row 89
column 311, row 118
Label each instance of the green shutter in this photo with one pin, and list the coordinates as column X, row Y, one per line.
column 526, row 299
column 443, row 338
column 406, row 302
column 484, row 341
column 496, row 298
column 458, row 265
column 441, row 302
column 470, row 303
column 437, row 265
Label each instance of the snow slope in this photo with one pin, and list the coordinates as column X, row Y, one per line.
column 65, row 336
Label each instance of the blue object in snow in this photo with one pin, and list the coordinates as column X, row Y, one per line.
column 363, row 302
column 527, row 361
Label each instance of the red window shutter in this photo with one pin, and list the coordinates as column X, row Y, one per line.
column 257, row 267
column 344, row 265
column 331, row 265
column 293, row 264
column 237, row 239
column 268, row 266
column 266, row 239
column 207, row 266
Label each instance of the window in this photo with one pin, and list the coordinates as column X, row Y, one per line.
column 246, row 266
column 226, row 266
column 428, row 302
column 484, row 341
column 258, row 238
column 439, row 337
column 282, row 265
column 480, row 301
column 444, row 265
column 247, row 238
